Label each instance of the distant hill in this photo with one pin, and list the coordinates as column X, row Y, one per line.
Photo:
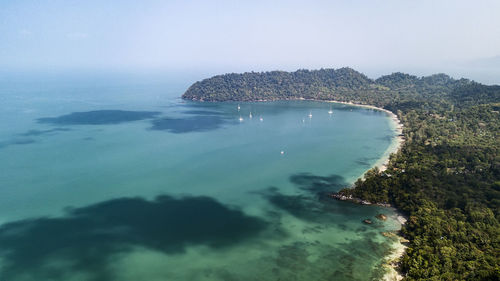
column 275, row 85
column 397, row 90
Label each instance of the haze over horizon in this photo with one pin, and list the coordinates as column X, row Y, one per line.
column 460, row 38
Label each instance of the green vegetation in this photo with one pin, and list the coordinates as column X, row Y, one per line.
column 446, row 178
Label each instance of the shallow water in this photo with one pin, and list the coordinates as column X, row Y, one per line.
column 122, row 180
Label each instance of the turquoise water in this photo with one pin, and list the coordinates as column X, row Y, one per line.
column 123, row 180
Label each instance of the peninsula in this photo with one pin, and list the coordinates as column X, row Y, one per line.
column 446, row 176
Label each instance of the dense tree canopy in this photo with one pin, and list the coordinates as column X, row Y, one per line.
column 446, row 177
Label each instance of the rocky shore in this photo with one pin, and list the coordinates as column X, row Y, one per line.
column 350, row 198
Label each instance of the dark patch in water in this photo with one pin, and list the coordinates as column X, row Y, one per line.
column 27, row 137
column 87, row 238
column 99, row 117
column 318, row 184
column 362, row 163
column 293, row 257
column 342, row 226
column 313, row 204
column 309, row 208
column 362, row 229
column 200, row 123
column 224, row 274
column 314, row 229
column 387, row 138
column 204, row 112
column 340, row 262
column 43, row 132
column 300, row 206
column 303, row 206
column 365, row 161
column 21, row 141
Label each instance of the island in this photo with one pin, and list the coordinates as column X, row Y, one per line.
column 445, row 178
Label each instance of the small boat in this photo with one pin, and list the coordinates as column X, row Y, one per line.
column 261, row 119
column 310, row 115
column 330, row 111
column 241, row 119
column 250, row 116
column 239, row 107
column 282, row 152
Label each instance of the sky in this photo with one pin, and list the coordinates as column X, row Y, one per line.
column 374, row 36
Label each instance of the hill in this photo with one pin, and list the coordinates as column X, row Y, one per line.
column 446, row 177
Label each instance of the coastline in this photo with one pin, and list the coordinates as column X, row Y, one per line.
column 396, row 144
column 398, row 248
column 390, row 263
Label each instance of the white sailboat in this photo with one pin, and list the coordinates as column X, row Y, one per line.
column 239, row 107
column 261, row 119
column 310, row 114
column 241, row 119
column 250, row 116
column 330, row 111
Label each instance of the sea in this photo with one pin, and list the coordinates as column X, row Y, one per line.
column 115, row 177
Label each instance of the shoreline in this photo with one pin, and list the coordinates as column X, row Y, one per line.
column 398, row 248
column 391, row 261
column 396, row 144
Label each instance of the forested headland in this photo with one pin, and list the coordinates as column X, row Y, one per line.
column 445, row 178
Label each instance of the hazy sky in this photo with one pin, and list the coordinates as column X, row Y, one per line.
column 371, row 35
